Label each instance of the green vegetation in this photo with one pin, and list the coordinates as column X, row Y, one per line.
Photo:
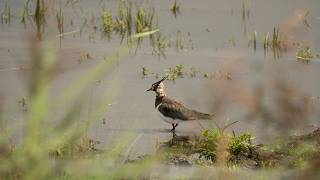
column 124, row 22
column 131, row 18
column 179, row 71
column 276, row 42
column 266, row 41
column 108, row 24
column 175, row 9
column 60, row 22
column 245, row 10
column 175, row 72
column 6, row 14
column 25, row 13
column 215, row 147
column 144, row 20
column 40, row 17
column 304, row 54
column 145, row 72
column 241, row 143
column 253, row 40
column 208, row 144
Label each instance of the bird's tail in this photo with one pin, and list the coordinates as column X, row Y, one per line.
column 203, row 116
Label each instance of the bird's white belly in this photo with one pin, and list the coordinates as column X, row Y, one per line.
column 169, row 120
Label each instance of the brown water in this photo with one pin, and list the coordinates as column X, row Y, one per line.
column 219, row 35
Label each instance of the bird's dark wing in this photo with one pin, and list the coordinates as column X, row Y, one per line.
column 175, row 110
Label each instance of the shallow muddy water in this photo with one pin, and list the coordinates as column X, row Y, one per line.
column 220, row 36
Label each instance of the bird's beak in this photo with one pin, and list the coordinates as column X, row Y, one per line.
column 149, row 89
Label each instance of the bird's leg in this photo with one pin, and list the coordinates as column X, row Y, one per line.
column 173, row 127
column 176, row 125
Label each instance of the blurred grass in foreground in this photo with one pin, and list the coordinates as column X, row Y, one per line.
column 61, row 149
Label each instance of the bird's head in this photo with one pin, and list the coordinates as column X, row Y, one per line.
column 158, row 87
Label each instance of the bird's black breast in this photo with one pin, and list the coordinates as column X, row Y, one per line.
column 158, row 101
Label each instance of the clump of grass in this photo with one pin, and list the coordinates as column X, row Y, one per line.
column 176, row 72
column 25, row 13
column 210, row 140
column 276, row 37
column 107, row 22
column 144, row 19
column 245, row 15
column 175, row 9
column 40, row 17
column 179, row 71
column 208, row 145
column 60, row 23
column 242, row 143
column 245, row 10
column 124, row 21
column 141, row 19
column 304, row 54
column 145, row 72
column 6, row 14
column 277, row 43
column 253, row 40
column 255, row 34
column 266, row 42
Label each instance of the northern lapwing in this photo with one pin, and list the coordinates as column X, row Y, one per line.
column 172, row 111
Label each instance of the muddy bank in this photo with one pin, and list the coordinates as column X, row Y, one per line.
column 291, row 152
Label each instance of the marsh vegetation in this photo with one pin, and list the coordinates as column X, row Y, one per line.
column 73, row 74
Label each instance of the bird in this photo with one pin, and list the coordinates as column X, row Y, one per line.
column 172, row 111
